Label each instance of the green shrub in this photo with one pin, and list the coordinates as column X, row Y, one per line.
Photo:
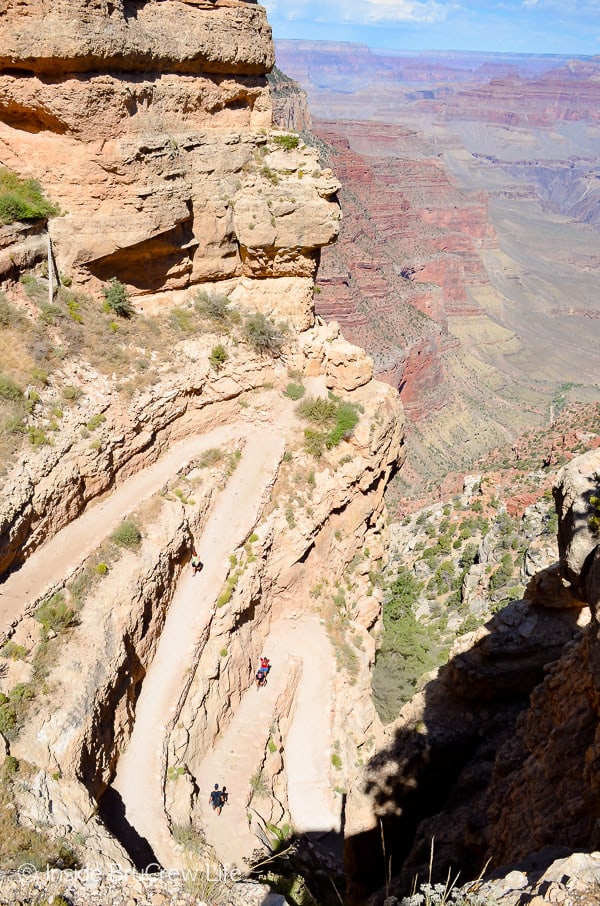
column 314, row 442
column 317, row 409
column 38, row 437
column 210, row 457
column 22, row 199
column 96, row 421
column 294, row 391
column 13, row 651
column 117, row 298
column 218, row 356
column 182, row 319
column 127, row 534
column 336, row 418
column 8, row 389
column 71, row 394
column 346, row 419
column 8, row 315
column 262, row 335
column 288, row 142
column 54, row 614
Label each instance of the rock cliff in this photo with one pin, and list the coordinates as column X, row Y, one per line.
column 149, row 124
column 504, row 735
column 149, row 143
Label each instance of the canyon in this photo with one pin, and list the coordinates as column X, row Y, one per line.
column 469, row 242
column 173, row 388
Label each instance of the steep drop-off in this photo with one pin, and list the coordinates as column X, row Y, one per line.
column 468, row 247
column 140, row 434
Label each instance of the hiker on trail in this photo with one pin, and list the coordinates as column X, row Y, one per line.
column 261, row 678
column 197, row 563
column 224, row 796
column 265, row 665
column 216, row 799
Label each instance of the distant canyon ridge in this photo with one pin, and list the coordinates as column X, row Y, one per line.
column 468, row 263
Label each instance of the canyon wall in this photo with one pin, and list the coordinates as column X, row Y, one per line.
column 149, row 125
column 468, row 243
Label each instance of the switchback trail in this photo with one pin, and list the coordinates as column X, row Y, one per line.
column 66, row 550
column 299, row 642
column 139, row 779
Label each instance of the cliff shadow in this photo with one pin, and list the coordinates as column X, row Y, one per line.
column 432, row 781
column 111, row 809
column 305, row 868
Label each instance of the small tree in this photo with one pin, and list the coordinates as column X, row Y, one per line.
column 117, row 298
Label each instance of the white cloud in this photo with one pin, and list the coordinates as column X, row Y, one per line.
column 361, row 12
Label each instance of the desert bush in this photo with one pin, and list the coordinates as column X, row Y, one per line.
column 22, row 199
column 9, row 390
column 260, row 333
column 215, row 308
column 54, row 614
column 210, row 457
column 218, row 356
column 127, row 534
column 13, row 651
column 317, row 409
column 183, row 320
column 294, row 391
column 288, row 142
column 117, row 298
column 336, row 419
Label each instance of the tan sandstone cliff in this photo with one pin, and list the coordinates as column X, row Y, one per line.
column 149, row 125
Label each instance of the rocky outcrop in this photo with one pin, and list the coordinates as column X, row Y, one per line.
column 163, row 180
column 577, row 493
column 505, row 734
column 290, row 106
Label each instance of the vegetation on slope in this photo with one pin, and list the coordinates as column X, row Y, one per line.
column 41, row 339
column 455, row 564
column 22, row 199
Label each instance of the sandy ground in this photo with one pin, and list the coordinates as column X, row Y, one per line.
column 307, row 752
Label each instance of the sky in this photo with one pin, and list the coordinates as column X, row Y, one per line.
column 569, row 27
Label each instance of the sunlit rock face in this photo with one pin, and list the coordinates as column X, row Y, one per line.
column 147, row 123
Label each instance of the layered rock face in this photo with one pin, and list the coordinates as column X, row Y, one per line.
column 140, row 120
column 450, row 162
column 148, row 123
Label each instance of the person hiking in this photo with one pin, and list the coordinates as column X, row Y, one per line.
column 265, row 665
column 215, row 799
column 197, row 563
column 224, row 796
column 261, row 678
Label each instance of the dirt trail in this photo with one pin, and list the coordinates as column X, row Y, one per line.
column 139, row 778
column 59, row 556
column 307, row 754
column 300, row 641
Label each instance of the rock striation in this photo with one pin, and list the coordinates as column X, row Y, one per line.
column 149, row 124
column 149, row 143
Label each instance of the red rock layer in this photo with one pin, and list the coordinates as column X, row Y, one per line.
column 407, row 253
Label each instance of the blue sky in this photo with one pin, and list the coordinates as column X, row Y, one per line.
column 516, row 26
